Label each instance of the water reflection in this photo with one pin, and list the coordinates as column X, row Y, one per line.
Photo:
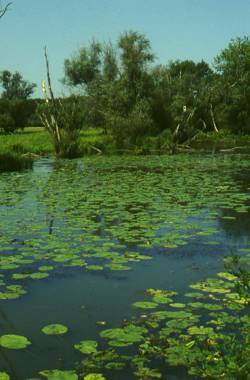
column 107, row 213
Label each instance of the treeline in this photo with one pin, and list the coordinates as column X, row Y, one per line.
column 120, row 88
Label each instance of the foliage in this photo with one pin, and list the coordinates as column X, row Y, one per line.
column 14, row 342
column 232, row 64
column 63, row 120
column 15, row 114
column 148, row 208
column 14, row 86
column 87, row 346
column 210, row 350
column 15, row 108
column 12, row 161
column 55, row 329
column 57, row 374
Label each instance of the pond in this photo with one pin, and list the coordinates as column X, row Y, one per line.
column 82, row 240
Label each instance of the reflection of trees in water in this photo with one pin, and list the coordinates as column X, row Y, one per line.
column 239, row 227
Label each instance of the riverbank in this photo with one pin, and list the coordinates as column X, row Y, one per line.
column 17, row 151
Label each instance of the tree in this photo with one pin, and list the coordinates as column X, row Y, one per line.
column 191, row 97
column 233, row 68
column 62, row 118
column 15, row 105
column 117, row 84
column 14, row 86
column 84, row 67
column 136, row 57
column 4, row 8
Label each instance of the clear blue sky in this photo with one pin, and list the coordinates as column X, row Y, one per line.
column 177, row 29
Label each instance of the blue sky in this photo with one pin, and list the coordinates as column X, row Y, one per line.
column 177, row 29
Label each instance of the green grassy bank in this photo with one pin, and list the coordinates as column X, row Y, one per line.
column 19, row 149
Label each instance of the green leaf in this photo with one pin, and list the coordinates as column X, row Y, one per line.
column 55, row 329
column 14, row 342
column 94, row 376
column 56, row 374
column 145, row 305
column 86, row 346
column 4, row 376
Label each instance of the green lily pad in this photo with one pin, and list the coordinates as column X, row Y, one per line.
column 125, row 336
column 39, row 275
column 94, row 376
column 145, row 305
column 195, row 330
column 4, row 376
column 56, row 374
column 227, row 276
column 55, row 329
column 45, row 268
column 86, row 346
column 178, row 305
column 162, row 299
column 14, row 342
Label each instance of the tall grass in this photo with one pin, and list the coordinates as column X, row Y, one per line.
column 11, row 161
column 30, row 140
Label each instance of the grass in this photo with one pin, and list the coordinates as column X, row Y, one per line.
column 31, row 140
column 10, row 161
column 221, row 141
column 36, row 140
column 18, row 150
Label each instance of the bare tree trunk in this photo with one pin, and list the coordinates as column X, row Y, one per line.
column 54, row 127
column 213, row 119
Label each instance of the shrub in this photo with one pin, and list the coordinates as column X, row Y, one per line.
column 15, row 114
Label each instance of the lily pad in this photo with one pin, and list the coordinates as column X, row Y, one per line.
column 86, row 346
column 55, row 329
column 195, row 330
column 14, row 342
column 56, row 374
column 94, row 376
column 125, row 336
column 4, row 376
column 145, row 305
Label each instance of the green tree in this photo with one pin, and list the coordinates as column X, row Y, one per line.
column 14, row 86
column 85, row 66
column 117, row 84
column 233, row 68
column 15, row 105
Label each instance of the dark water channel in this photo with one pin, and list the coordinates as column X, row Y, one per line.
column 187, row 213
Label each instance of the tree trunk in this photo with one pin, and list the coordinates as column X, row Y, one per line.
column 213, row 119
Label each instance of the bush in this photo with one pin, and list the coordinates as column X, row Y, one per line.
column 63, row 119
column 127, row 130
column 11, row 161
column 15, row 114
column 7, row 123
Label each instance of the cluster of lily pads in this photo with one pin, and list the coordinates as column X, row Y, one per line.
column 206, row 330
column 108, row 215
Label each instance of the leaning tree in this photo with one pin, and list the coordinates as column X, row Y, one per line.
column 4, row 8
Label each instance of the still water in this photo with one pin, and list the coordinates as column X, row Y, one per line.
column 84, row 239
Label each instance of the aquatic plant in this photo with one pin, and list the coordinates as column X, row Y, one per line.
column 14, row 342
